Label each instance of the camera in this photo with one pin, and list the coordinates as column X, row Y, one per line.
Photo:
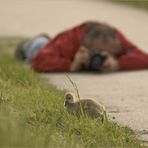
column 96, row 60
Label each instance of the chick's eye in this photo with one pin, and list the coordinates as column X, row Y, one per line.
column 68, row 98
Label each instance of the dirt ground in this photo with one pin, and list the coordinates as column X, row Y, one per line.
column 124, row 94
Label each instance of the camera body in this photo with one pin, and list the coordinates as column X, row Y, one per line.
column 96, row 60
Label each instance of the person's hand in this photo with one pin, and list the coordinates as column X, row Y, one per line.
column 81, row 59
column 110, row 64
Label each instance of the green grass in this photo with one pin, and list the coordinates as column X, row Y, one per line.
column 8, row 44
column 32, row 113
column 135, row 3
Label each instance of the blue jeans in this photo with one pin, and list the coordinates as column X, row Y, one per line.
column 32, row 47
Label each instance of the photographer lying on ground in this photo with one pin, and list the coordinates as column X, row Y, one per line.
column 91, row 46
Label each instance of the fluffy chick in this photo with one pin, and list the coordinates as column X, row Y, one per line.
column 90, row 107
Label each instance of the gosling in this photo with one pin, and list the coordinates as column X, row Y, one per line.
column 87, row 107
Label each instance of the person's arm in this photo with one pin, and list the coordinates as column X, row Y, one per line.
column 59, row 53
column 81, row 60
column 50, row 61
column 111, row 64
column 126, row 44
column 132, row 58
column 135, row 60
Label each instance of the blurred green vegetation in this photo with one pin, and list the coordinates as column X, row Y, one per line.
column 135, row 3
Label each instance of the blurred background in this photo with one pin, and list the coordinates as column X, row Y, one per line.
column 134, row 3
column 31, row 17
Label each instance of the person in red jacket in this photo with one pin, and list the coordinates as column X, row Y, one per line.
column 88, row 46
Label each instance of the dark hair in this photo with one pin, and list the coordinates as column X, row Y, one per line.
column 19, row 53
column 100, row 31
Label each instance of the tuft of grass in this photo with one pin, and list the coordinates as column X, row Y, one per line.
column 32, row 115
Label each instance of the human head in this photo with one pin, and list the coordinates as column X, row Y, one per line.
column 102, row 36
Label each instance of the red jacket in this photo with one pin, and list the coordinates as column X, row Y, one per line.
column 132, row 58
column 58, row 55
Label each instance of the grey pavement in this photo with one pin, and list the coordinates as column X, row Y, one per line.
column 124, row 94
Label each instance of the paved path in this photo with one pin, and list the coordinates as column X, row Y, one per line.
column 124, row 94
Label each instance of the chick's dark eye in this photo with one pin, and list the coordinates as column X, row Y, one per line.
column 69, row 98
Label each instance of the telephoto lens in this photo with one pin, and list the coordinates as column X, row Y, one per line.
column 96, row 60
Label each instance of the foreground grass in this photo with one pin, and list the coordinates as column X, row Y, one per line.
column 32, row 113
column 135, row 3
